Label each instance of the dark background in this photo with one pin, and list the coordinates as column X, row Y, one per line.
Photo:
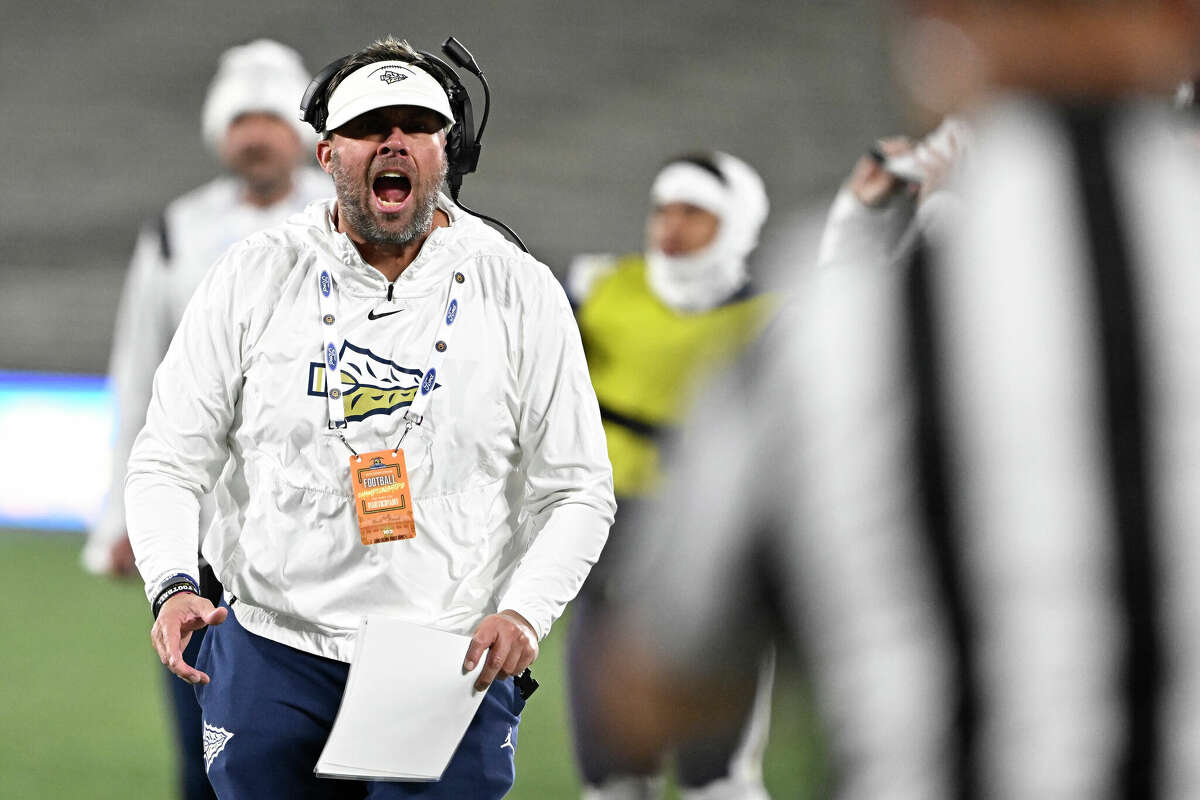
column 101, row 108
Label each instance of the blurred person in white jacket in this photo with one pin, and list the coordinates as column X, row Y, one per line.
column 250, row 125
column 384, row 329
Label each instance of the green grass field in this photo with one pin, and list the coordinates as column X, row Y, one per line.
column 82, row 705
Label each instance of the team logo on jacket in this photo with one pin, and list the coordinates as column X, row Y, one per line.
column 452, row 312
column 326, row 283
column 371, row 384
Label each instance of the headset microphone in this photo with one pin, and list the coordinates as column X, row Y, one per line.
column 462, row 58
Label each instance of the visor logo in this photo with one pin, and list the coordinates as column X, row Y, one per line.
column 390, row 76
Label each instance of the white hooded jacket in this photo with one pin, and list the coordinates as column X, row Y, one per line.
column 512, row 490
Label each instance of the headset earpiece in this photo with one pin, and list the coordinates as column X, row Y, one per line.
column 462, row 147
column 313, row 109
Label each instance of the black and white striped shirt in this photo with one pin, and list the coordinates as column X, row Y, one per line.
column 979, row 477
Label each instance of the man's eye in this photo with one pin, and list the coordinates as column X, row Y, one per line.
column 353, row 130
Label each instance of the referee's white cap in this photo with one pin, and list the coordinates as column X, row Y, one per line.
column 386, row 83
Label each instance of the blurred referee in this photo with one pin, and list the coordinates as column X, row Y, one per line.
column 967, row 482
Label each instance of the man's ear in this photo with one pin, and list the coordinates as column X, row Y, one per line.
column 325, row 155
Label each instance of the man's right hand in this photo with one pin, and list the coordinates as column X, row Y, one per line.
column 177, row 619
column 873, row 185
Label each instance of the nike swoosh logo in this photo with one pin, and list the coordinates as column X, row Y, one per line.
column 373, row 316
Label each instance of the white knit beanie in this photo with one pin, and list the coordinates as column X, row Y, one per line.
column 263, row 76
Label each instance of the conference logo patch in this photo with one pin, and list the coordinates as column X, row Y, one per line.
column 215, row 740
column 371, row 384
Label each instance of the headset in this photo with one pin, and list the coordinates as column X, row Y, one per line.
column 463, row 143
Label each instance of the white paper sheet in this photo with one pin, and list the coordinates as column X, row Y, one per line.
column 406, row 706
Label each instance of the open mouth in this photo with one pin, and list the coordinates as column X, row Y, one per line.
column 391, row 191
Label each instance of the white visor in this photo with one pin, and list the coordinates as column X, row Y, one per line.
column 385, row 83
column 681, row 182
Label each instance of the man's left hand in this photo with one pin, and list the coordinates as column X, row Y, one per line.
column 510, row 643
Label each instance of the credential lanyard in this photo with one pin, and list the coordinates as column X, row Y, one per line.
column 415, row 413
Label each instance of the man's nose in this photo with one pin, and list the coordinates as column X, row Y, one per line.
column 395, row 142
column 672, row 231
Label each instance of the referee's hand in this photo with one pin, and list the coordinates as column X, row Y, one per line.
column 177, row 619
column 873, row 185
column 512, row 643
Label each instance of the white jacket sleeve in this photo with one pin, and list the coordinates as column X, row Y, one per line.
column 182, row 449
column 143, row 332
column 569, row 495
column 859, row 234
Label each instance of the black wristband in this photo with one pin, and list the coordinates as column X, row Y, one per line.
column 185, row 584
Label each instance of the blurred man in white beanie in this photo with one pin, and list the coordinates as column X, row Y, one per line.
column 250, row 123
column 654, row 326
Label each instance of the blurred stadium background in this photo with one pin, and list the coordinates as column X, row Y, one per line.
column 101, row 117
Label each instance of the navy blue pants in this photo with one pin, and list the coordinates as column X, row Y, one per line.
column 269, row 710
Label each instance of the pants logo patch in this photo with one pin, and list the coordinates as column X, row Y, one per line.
column 215, row 740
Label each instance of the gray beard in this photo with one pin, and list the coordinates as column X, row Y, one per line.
column 353, row 210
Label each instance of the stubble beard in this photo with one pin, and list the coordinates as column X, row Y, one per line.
column 352, row 207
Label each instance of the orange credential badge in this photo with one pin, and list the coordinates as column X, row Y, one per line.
column 382, row 496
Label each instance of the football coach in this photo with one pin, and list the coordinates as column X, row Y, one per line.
column 384, row 329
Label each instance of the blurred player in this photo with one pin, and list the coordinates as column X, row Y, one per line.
column 966, row 483
column 250, row 124
column 653, row 327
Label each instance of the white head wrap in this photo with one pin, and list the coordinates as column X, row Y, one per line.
column 703, row 280
column 264, row 76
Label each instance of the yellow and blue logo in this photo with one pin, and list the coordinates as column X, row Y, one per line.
column 371, row 384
